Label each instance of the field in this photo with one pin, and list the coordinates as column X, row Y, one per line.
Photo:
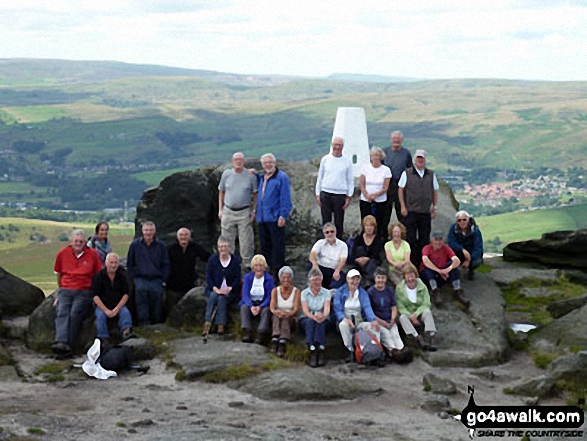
column 526, row 225
column 28, row 247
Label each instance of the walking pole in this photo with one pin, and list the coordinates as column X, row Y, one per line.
column 205, row 336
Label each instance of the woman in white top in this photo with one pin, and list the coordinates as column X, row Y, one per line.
column 375, row 179
column 285, row 304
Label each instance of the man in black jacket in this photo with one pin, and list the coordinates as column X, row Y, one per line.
column 182, row 275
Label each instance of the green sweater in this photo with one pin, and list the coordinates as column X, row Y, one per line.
column 403, row 303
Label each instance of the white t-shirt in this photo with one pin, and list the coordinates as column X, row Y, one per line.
column 257, row 291
column 374, row 180
column 352, row 305
column 404, row 179
column 412, row 294
column 329, row 255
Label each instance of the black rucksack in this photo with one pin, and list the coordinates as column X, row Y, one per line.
column 116, row 358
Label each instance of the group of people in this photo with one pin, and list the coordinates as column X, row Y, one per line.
column 352, row 299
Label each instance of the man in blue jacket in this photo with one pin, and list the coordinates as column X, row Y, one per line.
column 273, row 208
column 147, row 264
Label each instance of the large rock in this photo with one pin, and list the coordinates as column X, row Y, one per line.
column 197, row 359
column 475, row 338
column 190, row 310
column 190, row 199
column 301, row 384
column 559, row 249
column 439, row 385
column 541, row 386
column 569, row 330
column 570, row 367
column 17, row 297
column 563, row 307
column 41, row 331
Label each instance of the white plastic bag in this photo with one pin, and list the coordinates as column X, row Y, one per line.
column 91, row 365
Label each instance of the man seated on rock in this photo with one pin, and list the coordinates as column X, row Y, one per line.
column 182, row 268
column 329, row 256
column 439, row 266
column 110, row 289
column 75, row 267
column 384, row 307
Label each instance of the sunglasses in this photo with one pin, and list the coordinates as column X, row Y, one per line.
column 329, row 232
column 462, row 220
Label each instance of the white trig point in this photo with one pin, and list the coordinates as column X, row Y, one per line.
column 351, row 125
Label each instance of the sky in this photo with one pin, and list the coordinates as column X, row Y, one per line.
column 524, row 39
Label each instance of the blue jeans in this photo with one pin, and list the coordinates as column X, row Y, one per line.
column 148, row 300
column 73, row 307
column 428, row 274
column 221, row 303
column 124, row 321
column 315, row 332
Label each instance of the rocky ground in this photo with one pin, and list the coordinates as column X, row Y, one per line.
column 385, row 403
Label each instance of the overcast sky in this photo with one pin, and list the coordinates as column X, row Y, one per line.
column 532, row 39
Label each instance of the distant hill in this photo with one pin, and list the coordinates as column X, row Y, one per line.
column 371, row 78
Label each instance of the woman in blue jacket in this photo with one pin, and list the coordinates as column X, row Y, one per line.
column 352, row 301
column 465, row 239
column 223, row 278
column 257, row 287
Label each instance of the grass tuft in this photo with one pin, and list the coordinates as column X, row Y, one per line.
column 36, row 431
column 543, row 359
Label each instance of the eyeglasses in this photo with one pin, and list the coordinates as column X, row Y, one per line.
column 462, row 220
column 329, row 232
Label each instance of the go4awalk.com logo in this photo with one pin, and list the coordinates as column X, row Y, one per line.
column 518, row 421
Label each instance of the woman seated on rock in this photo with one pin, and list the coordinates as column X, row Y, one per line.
column 465, row 239
column 367, row 250
column 351, row 306
column 397, row 252
column 413, row 301
column 99, row 241
column 384, row 307
column 329, row 255
column 223, row 278
column 315, row 301
column 285, row 305
column 257, row 287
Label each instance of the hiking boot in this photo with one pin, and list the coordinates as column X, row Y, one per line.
column 423, row 344
column 60, row 348
column 259, row 339
column 206, row 329
column 321, row 357
column 350, row 357
column 126, row 334
column 429, row 341
column 462, row 297
column 281, row 349
column 313, row 362
column 221, row 329
column 274, row 345
column 247, row 336
column 471, row 274
column 436, row 297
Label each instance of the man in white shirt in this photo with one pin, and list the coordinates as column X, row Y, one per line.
column 329, row 255
column 335, row 186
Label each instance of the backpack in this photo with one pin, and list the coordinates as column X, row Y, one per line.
column 368, row 350
column 116, row 358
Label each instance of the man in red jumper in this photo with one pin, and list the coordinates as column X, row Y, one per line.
column 75, row 267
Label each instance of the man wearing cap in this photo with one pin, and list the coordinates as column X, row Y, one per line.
column 418, row 195
column 398, row 159
column 335, row 186
column 439, row 266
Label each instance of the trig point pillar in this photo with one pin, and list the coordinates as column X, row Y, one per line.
column 351, row 125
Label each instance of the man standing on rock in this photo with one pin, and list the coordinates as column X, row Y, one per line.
column 273, row 208
column 398, row 159
column 418, row 196
column 110, row 290
column 237, row 204
column 148, row 267
column 439, row 266
column 75, row 267
column 335, row 186
column 182, row 274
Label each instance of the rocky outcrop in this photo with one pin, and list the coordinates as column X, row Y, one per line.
column 571, row 367
column 17, row 297
column 569, row 330
column 439, row 385
column 541, row 386
column 561, row 249
column 301, row 384
column 563, row 307
column 190, row 310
